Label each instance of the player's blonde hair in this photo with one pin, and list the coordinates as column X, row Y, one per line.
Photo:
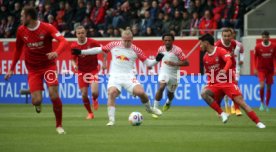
column 127, row 33
column 79, row 27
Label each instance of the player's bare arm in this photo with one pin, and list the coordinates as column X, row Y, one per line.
column 180, row 63
column 104, row 61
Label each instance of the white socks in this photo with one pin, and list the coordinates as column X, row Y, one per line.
column 168, row 101
column 111, row 113
column 156, row 104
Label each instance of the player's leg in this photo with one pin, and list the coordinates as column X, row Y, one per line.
column 57, row 107
column 261, row 76
column 86, row 102
column 37, row 100
column 113, row 92
column 172, row 85
column 83, row 83
column 269, row 82
column 208, row 95
column 227, row 107
column 249, row 111
column 35, row 81
column 163, row 79
column 137, row 90
column 159, row 93
column 95, row 92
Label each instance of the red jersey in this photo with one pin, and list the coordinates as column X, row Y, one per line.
column 230, row 48
column 36, row 43
column 86, row 63
column 215, row 62
column 265, row 55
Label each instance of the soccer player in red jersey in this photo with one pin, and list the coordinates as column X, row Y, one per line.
column 217, row 62
column 229, row 45
column 265, row 53
column 87, row 68
column 35, row 38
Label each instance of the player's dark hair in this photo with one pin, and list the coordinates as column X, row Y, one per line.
column 168, row 34
column 207, row 37
column 30, row 11
column 266, row 33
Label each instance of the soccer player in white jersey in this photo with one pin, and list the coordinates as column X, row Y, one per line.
column 124, row 55
column 239, row 57
column 173, row 59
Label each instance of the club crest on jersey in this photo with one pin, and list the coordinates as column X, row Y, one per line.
column 217, row 59
column 41, row 36
column 271, row 50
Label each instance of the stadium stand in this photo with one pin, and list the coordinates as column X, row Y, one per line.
column 105, row 18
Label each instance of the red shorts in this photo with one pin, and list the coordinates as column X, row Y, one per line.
column 35, row 78
column 266, row 76
column 86, row 78
column 222, row 89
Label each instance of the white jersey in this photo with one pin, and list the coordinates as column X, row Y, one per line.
column 174, row 55
column 238, row 52
column 123, row 59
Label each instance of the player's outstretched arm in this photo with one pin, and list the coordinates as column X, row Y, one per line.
column 16, row 56
column 180, row 63
column 151, row 63
column 92, row 51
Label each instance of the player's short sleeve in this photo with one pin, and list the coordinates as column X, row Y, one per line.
column 109, row 46
column 223, row 54
column 95, row 43
column 140, row 54
column 54, row 32
column 256, row 50
column 72, row 46
column 181, row 55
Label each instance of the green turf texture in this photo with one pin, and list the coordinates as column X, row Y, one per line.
column 191, row 129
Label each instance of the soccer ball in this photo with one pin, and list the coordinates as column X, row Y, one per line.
column 135, row 118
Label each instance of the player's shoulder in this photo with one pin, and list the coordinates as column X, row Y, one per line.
column 74, row 44
column 220, row 50
column 177, row 48
column 218, row 42
column 136, row 48
column 21, row 27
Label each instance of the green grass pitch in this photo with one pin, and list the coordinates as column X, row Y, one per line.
column 191, row 129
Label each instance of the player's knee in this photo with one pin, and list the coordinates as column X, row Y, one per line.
column 204, row 95
column 95, row 94
column 112, row 94
column 53, row 95
column 36, row 100
column 84, row 94
column 140, row 93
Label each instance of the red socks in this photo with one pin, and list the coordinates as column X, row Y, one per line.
column 57, row 108
column 268, row 94
column 252, row 115
column 216, row 107
column 86, row 104
column 262, row 95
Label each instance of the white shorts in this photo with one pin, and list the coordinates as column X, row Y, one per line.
column 127, row 82
column 170, row 80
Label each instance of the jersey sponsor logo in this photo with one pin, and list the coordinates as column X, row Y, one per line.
column 266, row 55
column 214, row 67
column 36, row 44
column 122, row 58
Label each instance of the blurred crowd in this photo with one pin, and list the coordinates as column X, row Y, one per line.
column 106, row 18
